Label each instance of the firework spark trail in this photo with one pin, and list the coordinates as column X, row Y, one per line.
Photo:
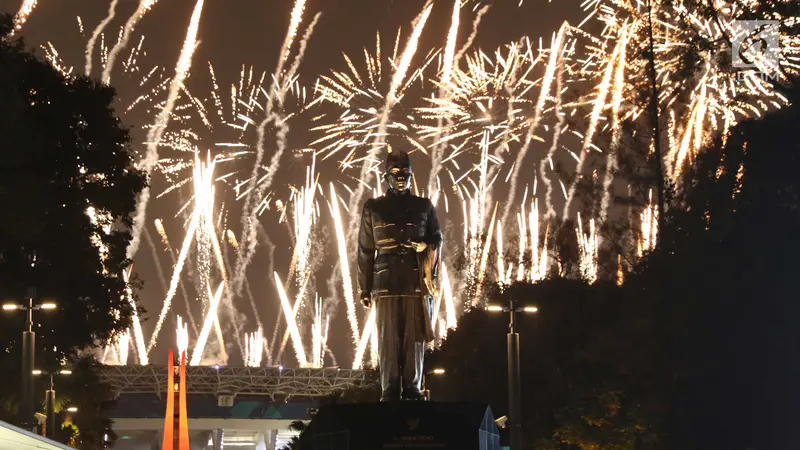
column 444, row 88
column 254, row 348
column 96, row 33
column 475, row 24
column 521, row 225
column 538, row 258
column 369, row 327
column 123, row 344
column 137, row 324
column 223, row 353
column 449, row 303
column 548, row 160
column 649, row 227
column 301, row 51
column 295, row 309
column 692, row 134
column 597, row 110
column 266, row 345
column 144, row 7
column 173, row 284
column 373, row 346
column 344, row 265
column 208, row 233
column 182, row 336
column 160, row 229
column 501, row 268
column 547, row 81
column 22, row 15
column 249, row 211
column 484, row 259
column 280, row 120
column 227, row 300
column 201, row 228
column 157, row 261
column 474, row 218
column 450, row 47
column 587, row 250
column 211, row 317
column 291, row 323
column 155, row 133
column 261, row 233
column 391, row 98
column 319, row 333
column 108, row 348
column 616, row 129
column 304, row 214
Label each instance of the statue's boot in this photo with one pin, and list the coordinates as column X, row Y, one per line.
column 412, row 394
column 390, row 396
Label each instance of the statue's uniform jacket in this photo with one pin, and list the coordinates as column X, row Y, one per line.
column 388, row 271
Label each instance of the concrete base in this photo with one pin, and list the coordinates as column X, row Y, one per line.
column 402, row 425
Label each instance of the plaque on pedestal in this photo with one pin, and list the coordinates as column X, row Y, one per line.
column 402, row 425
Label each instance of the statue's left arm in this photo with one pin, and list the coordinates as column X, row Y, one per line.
column 433, row 234
column 434, row 238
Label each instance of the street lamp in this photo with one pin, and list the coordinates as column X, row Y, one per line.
column 28, row 347
column 425, row 392
column 514, row 388
column 50, row 397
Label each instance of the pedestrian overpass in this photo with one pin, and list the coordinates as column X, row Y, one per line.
column 241, row 408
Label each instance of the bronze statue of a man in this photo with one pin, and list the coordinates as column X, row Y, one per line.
column 398, row 259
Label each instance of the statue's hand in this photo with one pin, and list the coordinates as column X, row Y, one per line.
column 419, row 246
column 366, row 300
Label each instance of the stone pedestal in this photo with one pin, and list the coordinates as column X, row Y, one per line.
column 402, row 425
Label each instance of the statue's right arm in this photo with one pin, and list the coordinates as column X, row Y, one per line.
column 366, row 251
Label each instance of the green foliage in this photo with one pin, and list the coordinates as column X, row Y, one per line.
column 63, row 151
column 85, row 390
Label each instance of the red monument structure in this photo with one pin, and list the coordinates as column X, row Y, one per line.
column 176, row 420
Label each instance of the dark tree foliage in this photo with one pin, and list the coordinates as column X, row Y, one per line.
column 63, row 151
column 88, row 428
column 294, row 443
column 580, row 365
column 695, row 351
column 724, row 279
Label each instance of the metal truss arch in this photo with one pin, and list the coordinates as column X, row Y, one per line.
column 271, row 382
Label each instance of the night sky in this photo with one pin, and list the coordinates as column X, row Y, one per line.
column 236, row 32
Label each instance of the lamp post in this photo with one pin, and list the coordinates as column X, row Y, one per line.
column 425, row 392
column 28, row 347
column 514, row 383
column 50, row 397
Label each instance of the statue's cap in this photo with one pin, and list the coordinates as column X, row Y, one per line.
column 397, row 158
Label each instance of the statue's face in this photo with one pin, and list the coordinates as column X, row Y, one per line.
column 399, row 178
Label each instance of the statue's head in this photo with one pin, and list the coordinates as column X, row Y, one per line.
column 398, row 171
